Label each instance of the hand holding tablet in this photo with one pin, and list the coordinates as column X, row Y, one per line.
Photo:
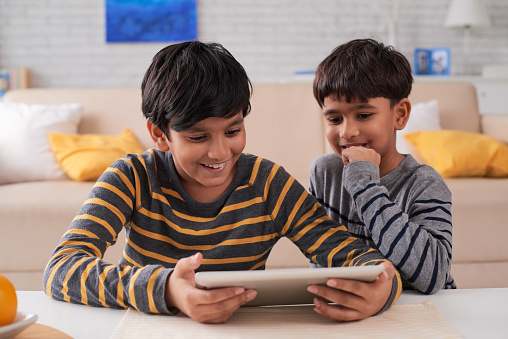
column 283, row 286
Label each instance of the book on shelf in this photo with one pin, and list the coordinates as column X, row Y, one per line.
column 13, row 78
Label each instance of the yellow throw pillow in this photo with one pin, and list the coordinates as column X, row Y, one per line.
column 84, row 157
column 461, row 154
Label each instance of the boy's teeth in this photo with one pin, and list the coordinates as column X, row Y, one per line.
column 215, row 165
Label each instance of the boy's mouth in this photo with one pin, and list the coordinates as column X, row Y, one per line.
column 353, row 145
column 215, row 166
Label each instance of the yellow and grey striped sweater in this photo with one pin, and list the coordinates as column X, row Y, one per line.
column 142, row 194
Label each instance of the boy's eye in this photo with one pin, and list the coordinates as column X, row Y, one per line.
column 233, row 132
column 335, row 120
column 364, row 116
column 196, row 138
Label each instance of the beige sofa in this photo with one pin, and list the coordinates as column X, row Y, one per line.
column 286, row 126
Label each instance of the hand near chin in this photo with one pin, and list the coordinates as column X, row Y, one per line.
column 351, row 299
column 206, row 306
column 357, row 153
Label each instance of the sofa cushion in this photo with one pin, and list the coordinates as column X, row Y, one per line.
column 286, row 126
column 84, row 157
column 35, row 215
column 458, row 104
column 424, row 116
column 496, row 126
column 25, row 153
column 479, row 219
column 105, row 110
column 461, row 154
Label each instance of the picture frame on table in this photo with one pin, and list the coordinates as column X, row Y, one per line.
column 434, row 61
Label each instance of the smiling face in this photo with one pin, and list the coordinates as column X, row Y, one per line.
column 206, row 154
column 370, row 124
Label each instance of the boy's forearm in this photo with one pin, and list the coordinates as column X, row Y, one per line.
column 86, row 279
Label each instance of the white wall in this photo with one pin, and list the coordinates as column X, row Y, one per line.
column 63, row 41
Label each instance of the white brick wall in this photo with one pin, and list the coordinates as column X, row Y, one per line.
column 63, row 41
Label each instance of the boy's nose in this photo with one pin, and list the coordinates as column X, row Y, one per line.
column 218, row 149
column 349, row 129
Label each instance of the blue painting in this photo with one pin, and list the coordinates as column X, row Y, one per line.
column 150, row 20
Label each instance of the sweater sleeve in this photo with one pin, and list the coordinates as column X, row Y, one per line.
column 76, row 272
column 321, row 239
column 418, row 241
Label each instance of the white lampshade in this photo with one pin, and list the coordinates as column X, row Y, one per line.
column 467, row 13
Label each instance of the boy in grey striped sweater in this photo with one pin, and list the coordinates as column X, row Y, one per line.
column 385, row 198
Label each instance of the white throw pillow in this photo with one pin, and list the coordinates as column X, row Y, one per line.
column 25, row 152
column 424, row 117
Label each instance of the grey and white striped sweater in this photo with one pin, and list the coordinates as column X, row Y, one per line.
column 405, row 214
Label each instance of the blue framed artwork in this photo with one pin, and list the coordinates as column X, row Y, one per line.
column 151, row 20
column 435, row 61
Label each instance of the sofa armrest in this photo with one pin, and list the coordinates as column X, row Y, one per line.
column 495, row 125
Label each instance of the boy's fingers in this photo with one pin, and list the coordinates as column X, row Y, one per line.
column 207, row 306
column 336, row 313
column 389, row 271
column 338, row 296
column 383, row 276
column 187, row 265
column 204, row 297
column 217, row 306
column 346, row 306
column 228, row 296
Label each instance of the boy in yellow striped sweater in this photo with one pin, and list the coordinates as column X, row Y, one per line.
column 199, row 203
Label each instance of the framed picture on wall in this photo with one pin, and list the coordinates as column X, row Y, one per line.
column 151, row 20
column 435, row 61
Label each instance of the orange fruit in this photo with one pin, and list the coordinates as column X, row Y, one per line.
column 8, row 301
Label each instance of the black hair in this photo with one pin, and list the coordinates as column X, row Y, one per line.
column 363, row 69
column 191, row 81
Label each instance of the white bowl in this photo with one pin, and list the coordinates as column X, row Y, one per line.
column 21, row 322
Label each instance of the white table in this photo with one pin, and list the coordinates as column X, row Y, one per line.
column 474, row 313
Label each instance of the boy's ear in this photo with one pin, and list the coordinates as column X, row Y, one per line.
column 157, row 136
column 402, row 112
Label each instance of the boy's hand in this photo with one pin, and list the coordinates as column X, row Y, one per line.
column 356, row 153
column 206, row 306
column 355, row 299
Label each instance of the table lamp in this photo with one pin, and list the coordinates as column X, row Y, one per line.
column 467, row 14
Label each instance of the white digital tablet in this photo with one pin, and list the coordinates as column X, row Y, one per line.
column 283, row 286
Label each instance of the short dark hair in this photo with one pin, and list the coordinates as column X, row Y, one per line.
column 363, row 69
column 191, row 81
